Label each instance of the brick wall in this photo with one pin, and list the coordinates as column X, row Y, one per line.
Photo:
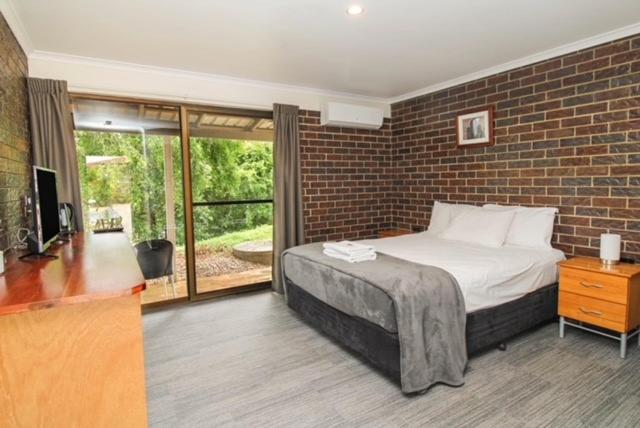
column 347, row 180
column 14, row 134
column 567, row 135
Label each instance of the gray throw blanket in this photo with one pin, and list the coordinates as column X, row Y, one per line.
column 429, row 309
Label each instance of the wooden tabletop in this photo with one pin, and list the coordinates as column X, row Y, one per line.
column 90, row 267
column 591, row 264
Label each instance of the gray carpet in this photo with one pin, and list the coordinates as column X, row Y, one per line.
column 248, row 361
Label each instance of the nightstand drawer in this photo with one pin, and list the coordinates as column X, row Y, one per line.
column 593, row 311
column 596, row 285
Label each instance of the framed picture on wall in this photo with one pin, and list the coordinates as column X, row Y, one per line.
column 474, row 128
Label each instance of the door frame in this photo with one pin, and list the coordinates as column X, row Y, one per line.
column 189, row 231
column 192, row 279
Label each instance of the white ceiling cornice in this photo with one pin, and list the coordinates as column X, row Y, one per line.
column 15, row 23
column 12, row 16
column 176, row 73
column 99, row 76
column 511, row 65
column 589, row 42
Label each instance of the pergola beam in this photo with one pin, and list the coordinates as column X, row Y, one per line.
column 254, row 125
column 199, row 121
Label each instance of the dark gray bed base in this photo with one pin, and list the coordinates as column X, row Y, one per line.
column 485, row 328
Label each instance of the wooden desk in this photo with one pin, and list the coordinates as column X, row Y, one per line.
column 71, row 350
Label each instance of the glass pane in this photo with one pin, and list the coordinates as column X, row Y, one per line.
column 228, row 170
column 131, row 178
column 233, row 245
column 231, row 161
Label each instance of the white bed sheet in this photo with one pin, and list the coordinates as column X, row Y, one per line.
column 487, row 276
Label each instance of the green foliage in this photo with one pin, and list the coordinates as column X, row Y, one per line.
column 221, row 170
column 227, row 241
column 227, row 170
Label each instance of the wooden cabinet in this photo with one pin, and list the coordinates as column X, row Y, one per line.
column 392, row 232
column 592, row 294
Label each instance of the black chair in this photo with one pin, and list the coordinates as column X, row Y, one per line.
column 155, row 258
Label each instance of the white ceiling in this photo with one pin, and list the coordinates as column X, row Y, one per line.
column 396, row 47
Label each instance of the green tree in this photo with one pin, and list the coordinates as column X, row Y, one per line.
column 222, row 170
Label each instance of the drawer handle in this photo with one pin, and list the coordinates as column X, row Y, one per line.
column 591, row 285
column 591, row 312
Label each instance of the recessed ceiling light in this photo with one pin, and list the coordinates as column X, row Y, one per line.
column 355, row 10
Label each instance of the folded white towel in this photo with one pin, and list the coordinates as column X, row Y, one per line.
column 353, row 254
column 348, row 245
column 351, row 259
column 349, row 248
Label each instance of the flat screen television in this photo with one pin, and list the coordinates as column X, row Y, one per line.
column 46, row 217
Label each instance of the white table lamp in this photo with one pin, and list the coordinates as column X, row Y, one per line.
column 609, row 248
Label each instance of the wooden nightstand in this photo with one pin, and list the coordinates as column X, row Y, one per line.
column 392, row 232
column 607, row 297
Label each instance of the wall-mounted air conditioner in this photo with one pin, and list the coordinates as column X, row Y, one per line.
column 351, row 116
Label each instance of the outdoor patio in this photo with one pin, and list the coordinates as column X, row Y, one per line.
column 215, row 270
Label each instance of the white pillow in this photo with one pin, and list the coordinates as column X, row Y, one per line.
column 442, row 214
column 531, row 227
column 479, row 226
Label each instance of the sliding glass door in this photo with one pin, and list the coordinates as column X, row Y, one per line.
column 200, row 178
column 130, row 164
column 231, row 161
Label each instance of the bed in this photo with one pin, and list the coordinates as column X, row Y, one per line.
column 506, row 291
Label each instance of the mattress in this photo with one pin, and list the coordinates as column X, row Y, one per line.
column 487, row 277
column 485, row 328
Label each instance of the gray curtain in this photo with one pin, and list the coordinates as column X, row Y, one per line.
column 53, row 144
column 288, row 223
